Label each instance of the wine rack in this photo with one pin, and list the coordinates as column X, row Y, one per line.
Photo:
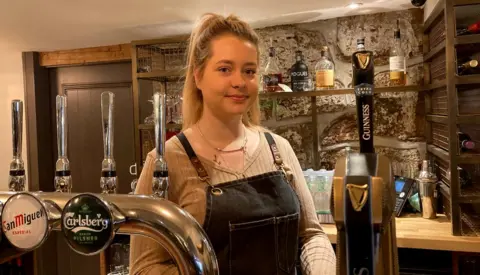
column 157, row 65
column 452, row 104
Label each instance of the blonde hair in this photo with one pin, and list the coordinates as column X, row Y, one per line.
column 209, row 27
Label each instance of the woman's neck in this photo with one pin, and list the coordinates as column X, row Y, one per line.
column 220, row 132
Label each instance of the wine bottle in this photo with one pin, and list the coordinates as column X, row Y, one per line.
column 468, row 67
column 470, row 29
column 465, row 142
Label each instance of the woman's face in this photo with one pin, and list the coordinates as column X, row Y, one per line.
column 229, row 84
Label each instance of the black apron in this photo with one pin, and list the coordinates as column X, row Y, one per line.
column 252, row 223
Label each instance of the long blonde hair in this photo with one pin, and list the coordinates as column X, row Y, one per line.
column 209, row 27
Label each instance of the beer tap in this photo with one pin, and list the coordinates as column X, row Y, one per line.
column 63, row 178
column 108, row 180
column 16, row 179
column 160, row 173
column 363, row 196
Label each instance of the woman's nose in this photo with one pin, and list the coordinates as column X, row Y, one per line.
column 238, row 80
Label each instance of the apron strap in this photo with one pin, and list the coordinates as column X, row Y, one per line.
column 202, row 173
column 274, row 149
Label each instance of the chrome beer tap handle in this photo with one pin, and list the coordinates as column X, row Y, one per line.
column 160, row 174
column 16, row 179
column 63, row 179
column 108, row 180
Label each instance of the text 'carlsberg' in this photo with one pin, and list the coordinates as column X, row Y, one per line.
column 71, row 221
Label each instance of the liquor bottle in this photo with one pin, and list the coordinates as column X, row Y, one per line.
column 465, row 142
column 471, row 29
column 397, row 61
column 299, row 73
column 363, row 72
column 468, row 67
column 464, row 177
column 272, row 75
column 324, row 71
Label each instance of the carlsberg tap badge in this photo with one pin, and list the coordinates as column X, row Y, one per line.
column 87, row 224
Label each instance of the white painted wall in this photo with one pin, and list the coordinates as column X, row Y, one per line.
column 428, row 8
column 11, row 87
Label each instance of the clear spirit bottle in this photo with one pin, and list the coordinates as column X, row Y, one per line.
column 272, row 75
column 324, row 71
column 398, row 71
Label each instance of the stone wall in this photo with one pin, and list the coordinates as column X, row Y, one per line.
column 398, row 117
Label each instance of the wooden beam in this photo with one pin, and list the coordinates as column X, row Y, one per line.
column 94, row 55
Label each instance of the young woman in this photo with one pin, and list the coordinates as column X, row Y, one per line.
column 253, row 201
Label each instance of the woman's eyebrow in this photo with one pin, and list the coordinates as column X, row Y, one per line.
column 226, row 61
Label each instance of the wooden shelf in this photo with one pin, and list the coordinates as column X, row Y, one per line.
column 437, row 119
column 468, row 119
column 465, row 2
column 161, row 75
column 473, row 222
column 377, row 90
column 438, row 152
column 467, row 39
column 467, row 79
column 466, row 158
column 435, row 51
column 470, row 194
column 433, row 86
column 151, row 126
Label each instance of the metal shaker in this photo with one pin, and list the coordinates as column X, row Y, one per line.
column 427, row 184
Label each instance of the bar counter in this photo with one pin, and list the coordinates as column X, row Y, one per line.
column 416, row 232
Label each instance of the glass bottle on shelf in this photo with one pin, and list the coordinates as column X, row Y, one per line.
column 397, row 60
column 465, row 142
column 299, row 73
column 272, row 76
column 468, row 67
column 324, row 71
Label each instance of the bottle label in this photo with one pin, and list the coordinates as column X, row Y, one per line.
column 324, row 78
column 299, row 80
column 87, row 224
column 271, row 81
column 397, row 64
column 24, row 221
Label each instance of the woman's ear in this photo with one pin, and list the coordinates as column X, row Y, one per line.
column 197, row 77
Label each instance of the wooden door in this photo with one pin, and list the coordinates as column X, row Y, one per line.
column 83, row 86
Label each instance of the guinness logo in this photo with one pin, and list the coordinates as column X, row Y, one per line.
column 363, row 59
column 358, row 195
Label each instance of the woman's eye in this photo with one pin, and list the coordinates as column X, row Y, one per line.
column 224, row 69
column 251, row 72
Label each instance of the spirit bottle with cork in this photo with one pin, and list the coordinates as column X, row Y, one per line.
column 324, row 71
column 397, row 61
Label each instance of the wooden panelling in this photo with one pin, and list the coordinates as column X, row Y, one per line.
column 439, row 101
column 437, row 68
column 468, row 100
column 440, row 135
column 95, row 55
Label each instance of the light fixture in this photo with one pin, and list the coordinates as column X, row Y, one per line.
column 354, row 5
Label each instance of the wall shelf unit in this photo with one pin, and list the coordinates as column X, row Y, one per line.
column 449, row 105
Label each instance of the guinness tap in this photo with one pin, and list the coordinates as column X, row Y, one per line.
column 363, row 196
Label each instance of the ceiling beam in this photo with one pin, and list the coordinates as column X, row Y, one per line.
column 94, row 55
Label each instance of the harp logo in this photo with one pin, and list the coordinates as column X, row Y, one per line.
column 358, row 195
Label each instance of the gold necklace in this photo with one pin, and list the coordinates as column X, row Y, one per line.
column 215, row 157
column 243, row 147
